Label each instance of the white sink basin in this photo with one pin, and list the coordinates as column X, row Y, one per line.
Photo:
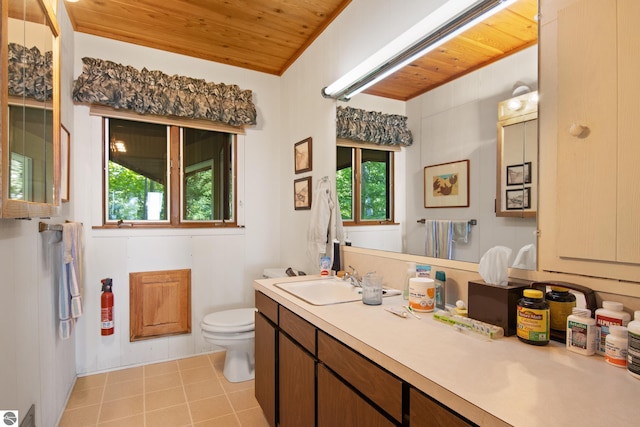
column 326, row 291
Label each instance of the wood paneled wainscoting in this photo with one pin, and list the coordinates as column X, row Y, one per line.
column 159, row 303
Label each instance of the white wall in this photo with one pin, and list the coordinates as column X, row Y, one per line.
column 457, row 121
column 223, row 262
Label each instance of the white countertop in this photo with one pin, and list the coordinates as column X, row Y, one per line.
column 491, row 382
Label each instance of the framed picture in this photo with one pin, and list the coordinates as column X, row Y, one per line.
column 446, row 185
column 519, row 174
column 302, row 155
column 65, row 156
column 518, row 199
column 302, row 193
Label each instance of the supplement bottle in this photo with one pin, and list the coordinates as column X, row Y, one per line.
column 610, row 314
column 533, row 318
column 422, row 294
column 633, row 351
column 616, row 346
column 561, row 302
column 581, row 332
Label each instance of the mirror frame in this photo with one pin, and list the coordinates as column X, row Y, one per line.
column 11, row 208
column 528, row 111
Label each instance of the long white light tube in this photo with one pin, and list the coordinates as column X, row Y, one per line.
column 440, row 26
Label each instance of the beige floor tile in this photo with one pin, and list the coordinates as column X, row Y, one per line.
column 213, row 407
column 208, row 388
column 194, row 362
column 122, row 408
column 195, row 375
column 217, row 359
column 90, row 381
column 135, row 421
column 161, row 382
column 164, row 398
column 227, row 421
column 172, row 416
column 230, row 387
column 122, row 390
column 85, row 416
column 160, row 368
column 85, row 397
column 124, row 375
column 252, row 418
column 243, row 400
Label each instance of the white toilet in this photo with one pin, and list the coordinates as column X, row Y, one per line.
column 233, row 330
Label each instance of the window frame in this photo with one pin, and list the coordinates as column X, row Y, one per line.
column 175, row 172
column 357, row 148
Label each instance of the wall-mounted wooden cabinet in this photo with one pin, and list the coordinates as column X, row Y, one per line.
column 591, row 223
column 30, row 105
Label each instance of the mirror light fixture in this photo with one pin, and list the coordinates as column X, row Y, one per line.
column 440, row 26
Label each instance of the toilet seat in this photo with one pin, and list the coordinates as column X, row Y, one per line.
column 230, row 321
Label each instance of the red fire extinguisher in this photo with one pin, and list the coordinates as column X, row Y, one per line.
column 106, row 304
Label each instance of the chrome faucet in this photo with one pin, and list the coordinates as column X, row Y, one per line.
column 353, row 277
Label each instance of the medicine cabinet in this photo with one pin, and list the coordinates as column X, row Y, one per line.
column 517, row 161
column 30, row 100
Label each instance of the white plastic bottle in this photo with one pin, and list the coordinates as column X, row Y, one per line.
column 581, row 332
column 633, row 351
column 610, row 314
column 617, row 343
column 411, row 272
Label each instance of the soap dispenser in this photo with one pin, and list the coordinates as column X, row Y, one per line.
column 411, row 272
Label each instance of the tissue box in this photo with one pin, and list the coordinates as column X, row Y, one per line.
column 496, row 304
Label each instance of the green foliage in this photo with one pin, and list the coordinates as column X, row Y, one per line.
column 344, row 189
column 199, row 196
column 374, row 191
column 128, row 193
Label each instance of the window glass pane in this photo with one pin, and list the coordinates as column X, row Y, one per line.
column 207, row 175
column 375, row 185
column 137, row 188
column 344, row 182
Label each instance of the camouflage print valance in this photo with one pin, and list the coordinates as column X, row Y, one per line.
column 370, row 126
column 30, row 72
column 153, row 92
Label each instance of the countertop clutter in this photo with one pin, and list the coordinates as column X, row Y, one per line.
column 490, row 382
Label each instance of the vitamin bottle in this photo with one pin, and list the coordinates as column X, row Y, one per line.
column 633, row 350
column 581, row 332
column 610, row 314
column 561, row 302
column 616, row 346
column 533, row 318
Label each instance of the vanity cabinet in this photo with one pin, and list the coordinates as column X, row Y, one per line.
column 306, row 377
column 592, row 226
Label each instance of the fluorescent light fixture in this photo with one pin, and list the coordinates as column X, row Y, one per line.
column 440, row 26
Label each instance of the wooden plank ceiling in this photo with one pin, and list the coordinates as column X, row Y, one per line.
column 269, row 35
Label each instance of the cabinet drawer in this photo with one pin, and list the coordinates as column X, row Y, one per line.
column 267, row 306
column 424, row 411
column 374, row 382
column 299, row 329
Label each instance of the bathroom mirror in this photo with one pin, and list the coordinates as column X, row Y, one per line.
column 30, row 105
column 517, row 157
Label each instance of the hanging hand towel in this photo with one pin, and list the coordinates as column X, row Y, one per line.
column 70, row 279
column 439, row 238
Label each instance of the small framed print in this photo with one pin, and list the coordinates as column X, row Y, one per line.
column 302, row 155
column 302, row 193
column 519, row 174
column 446, row 185
column 518, row 199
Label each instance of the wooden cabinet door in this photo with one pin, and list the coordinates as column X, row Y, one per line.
column 425, row 412
column 265, row 377
column 339, row 405
column 297, row 391
column 587, row 164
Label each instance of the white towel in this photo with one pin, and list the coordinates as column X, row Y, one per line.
column 439, row 238
column 70, row 280
column 325, row 224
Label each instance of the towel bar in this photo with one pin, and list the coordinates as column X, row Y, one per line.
column 470, row 222
column 43, row 226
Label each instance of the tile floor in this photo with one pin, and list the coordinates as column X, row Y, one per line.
column 186, row 392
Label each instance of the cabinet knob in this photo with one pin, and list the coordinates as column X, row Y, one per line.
column 578, row 131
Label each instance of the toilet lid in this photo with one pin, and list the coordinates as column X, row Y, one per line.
column 239, row 318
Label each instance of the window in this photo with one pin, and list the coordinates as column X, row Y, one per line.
column 170, row 175
column 364, row 182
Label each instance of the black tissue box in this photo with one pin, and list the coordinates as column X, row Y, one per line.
column 495, row 304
